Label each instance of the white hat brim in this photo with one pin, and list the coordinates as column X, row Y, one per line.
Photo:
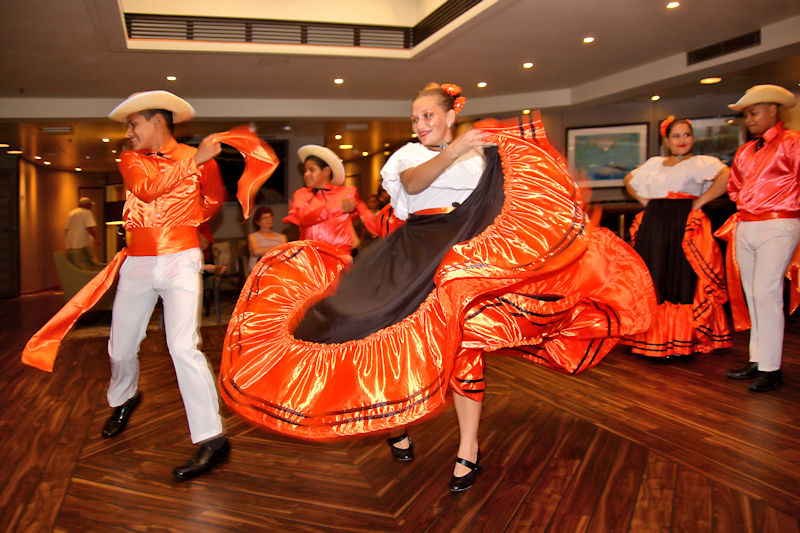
column 327, row 155
column 181, row 109
column 765, row 94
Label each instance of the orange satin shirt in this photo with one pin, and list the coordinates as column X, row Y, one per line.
column 320, row 217
column 168, row 196
column 767, row 180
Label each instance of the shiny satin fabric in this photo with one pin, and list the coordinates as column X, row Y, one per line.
column 767, row 179
column 167, row 235
column 319, row 215
column 699, row 327
column 387, row 222
column 259, row 163
column 540, row 254
column 739, row 311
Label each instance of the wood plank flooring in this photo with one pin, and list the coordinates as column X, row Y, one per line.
column 631, row 445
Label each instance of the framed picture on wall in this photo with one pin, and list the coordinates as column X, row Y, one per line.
column 600, row 156
column 717, row 136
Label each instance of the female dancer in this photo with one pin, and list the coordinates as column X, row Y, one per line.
column 492, row 257
column 323, row 209
column 263, row 239
column 673, row 236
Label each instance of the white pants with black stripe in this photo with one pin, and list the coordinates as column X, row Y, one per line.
column 176, row 278
column 763, row 251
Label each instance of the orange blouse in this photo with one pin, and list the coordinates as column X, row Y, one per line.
column 168, row 196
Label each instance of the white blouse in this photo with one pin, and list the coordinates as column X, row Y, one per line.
column 455, row 184
column 691, row 176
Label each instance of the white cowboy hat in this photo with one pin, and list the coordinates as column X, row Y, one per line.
column 765, row 94
column 327, row 155
column 181, row 110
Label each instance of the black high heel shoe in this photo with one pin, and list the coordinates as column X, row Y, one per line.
column 401, row 454
column 462, row 483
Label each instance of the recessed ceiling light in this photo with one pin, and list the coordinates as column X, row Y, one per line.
column 673, row 5
column 729, row 121
column 78, row 169
column 37, row 157
column 526, row 111
column 588, row 40
column 413, row 135
column 287, row 128
column 46, row 162
column 386, row 152
column 482, row 84
column 105, row 139
column 118, row 160
column 113, row 151
column 345, row 146
column 3, row 145
column 655, row 98
column 710, row 81
column 365, row 154
column 14, row 152
column 337, row 136
column 527, row 64
column 172, row 78
column 386, row 145
column 338, row 81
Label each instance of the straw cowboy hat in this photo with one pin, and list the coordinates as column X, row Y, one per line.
column 765, row 94
column 181, row 110
column 327, row 155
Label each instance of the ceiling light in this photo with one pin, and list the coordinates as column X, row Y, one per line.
column 526, row 111
column 386, row 145
column 655, row 98
column 78, row 169
column 527, row 65
column 710, row 81
column 673, row 5
column 3, row 145
column 118, row 160
column 337, row 137
column 37, row 157
column 14, row 152
column 481, row 84
column 413, row 135
column 365, row 154
column 172, row 78
column 105, row 139
column 386, row 152
column 338, row 81
column 588, row 40
column 729, row 121
column 287, row 128
column 113, row 151
column 46, row 162
column 345, row 146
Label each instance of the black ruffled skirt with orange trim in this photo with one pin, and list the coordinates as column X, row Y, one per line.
column 534, row 279
column 688, row 272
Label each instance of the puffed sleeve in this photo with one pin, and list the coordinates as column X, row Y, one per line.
column 150, row 177
column 406, row 157
column 709, row 167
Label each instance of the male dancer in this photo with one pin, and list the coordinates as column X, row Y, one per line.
column 171, row 189
column 765, row 184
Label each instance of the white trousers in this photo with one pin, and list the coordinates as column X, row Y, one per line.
column 763, row 251
column 176, row 279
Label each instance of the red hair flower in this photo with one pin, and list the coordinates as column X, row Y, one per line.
column 665, row 124
column 458, row 104
column 455, row 91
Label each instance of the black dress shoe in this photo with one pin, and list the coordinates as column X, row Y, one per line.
column 748, row 372
column 119, row 418
column 766, row 381
column 401, row 454
column 462, row 483
column 208, row 454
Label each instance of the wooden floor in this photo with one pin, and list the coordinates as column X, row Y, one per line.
column 631, row 445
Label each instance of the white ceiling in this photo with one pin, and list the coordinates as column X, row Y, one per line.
column 68, row 59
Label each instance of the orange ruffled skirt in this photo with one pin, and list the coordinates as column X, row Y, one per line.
column 697, row 327
column 540, row 282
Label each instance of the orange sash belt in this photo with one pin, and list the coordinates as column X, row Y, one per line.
column 739, row 312
column 745, row 216
column 434, row 211
column 679, row 196
column 41, row 349
column 162, row 241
